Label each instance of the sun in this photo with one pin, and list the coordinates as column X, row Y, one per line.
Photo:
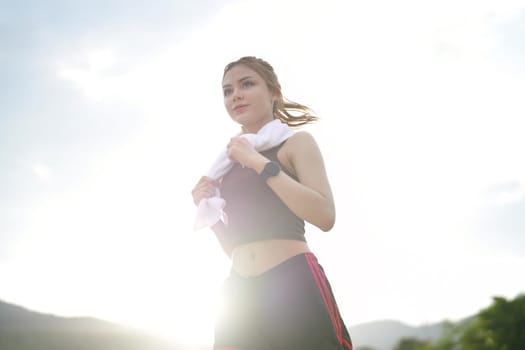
column 172, row 292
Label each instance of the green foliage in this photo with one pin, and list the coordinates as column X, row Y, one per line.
column 412, row 344
column 449, row 339
column 498, row 327
column 501, row 326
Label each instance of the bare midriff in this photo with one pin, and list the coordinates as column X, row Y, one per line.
column 253, row 259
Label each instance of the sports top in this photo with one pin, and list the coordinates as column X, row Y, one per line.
column 254, row 211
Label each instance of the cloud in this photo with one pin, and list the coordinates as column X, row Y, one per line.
column 37, row 37
column 505, row 193
column 498, row 223
column 41, row 171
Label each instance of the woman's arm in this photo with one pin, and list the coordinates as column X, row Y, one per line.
column 311, row 198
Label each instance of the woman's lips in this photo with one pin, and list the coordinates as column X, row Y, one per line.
column 240, row 108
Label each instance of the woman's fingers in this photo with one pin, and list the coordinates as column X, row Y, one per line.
column 205, row 188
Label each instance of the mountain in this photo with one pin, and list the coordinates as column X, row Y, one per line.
column 15, row 318
column 23, row 329
column 384, row 335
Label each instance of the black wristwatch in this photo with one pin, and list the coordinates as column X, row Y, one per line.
column 270, row 169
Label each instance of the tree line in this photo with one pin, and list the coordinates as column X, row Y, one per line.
column 501, row 326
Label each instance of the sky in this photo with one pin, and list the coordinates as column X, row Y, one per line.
column 110, row 111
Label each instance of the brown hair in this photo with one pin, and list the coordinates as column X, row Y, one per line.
column 292, row 113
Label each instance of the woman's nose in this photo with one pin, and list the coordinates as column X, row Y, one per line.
column 237, row 95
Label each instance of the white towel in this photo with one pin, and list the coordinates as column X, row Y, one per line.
column 209, row 211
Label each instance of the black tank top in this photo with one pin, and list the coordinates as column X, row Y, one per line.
column 254, row 211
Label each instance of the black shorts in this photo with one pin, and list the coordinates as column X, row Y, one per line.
column 288, row 307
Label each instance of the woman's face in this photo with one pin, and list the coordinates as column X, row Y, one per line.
column 247, row 98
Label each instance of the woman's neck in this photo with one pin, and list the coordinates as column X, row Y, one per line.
column 254, row 128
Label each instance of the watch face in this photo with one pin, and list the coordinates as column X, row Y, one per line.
column 272, row 168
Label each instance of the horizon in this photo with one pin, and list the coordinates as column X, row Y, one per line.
column 111, row 112
column 395, row 329
column 364, row 333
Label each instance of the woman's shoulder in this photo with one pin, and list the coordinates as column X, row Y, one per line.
column 301, row 139
column 300, row 144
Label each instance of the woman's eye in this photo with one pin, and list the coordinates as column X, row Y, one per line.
column 227, row 92
column 247, row 83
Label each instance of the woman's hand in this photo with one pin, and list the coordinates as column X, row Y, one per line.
column 242, row 151
column 205, row 188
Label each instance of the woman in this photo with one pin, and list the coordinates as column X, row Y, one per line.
column 277, row 296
